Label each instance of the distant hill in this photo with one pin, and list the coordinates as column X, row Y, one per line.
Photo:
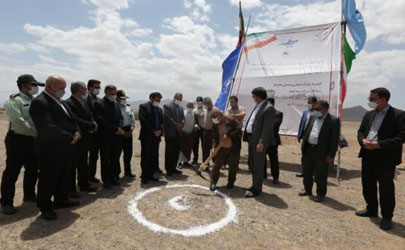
column 353, row 114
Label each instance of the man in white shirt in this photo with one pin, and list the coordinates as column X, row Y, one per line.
column 319, row 146
column 187, row 135
column 259, row 134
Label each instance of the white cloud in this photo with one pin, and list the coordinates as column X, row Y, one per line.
column 12, row 47
column 109, row 4
column 246, row 4
column 200, row 9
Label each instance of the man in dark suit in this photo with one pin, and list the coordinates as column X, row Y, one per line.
column 58, row 133
column 173, row 114
column 272, row 150
column 311, row 101
column 319, row 146
column 108, row 117
column 93, row 87
column 259, row 133
column 151, row 119
column 381, row 135
column 88, row 126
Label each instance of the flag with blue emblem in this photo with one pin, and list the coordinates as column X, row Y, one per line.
column 355, row 22
column 228, row 70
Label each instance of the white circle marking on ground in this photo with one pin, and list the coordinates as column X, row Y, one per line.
column 188, row 232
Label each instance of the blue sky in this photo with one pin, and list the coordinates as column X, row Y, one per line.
column 178, row 45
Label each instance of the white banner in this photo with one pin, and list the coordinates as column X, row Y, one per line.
column 291, row 65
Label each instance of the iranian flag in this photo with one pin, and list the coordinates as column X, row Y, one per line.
column 241, row 27
column 349, row 56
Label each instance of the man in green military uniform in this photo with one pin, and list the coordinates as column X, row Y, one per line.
column 19, row 142
column 128, row 126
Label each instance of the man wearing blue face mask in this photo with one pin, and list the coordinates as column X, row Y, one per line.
column 381, row 135
column 108, row 116
column 319, row 146
column 88, row 126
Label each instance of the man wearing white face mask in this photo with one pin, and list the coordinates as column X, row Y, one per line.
column 187, row 135
column 319, row 146
column 88, row 127
column 173, row 123
column 58, row 134
column 93, row 87
column 20, row 144
column 108, row 116
column 311, row 101
column 381, row 135
column 151, row 119
column 128, row 125
column 199, row 115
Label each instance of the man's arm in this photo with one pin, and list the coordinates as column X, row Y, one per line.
column 361, row 132
column 13, row 110
column 100, row 118
column 167, row 113
column 267, row 134
column 399, row 138
column 334, row 138
column 41, row 115
column 86, row 125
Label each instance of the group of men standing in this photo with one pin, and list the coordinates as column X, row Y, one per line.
column 56, row 140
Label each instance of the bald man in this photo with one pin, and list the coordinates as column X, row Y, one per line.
column 58, row 134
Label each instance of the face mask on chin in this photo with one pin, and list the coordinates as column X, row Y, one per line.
column 123, row 102
column 190, row 110
column 156, row 104
column 216, row 121
column 33, row 90
column 177, row 102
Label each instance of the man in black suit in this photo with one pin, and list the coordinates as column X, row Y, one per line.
column 381, row 135
column 151, row 118
column 88, row 126
column 173, row 114
column 259, row 133
column 93, row 87
column 58, row 133
column 319, row 146
column 108, row 117
column 272, row 150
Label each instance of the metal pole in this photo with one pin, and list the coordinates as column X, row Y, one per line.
column 237, row 66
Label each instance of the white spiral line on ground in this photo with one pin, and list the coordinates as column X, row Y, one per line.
column 194, row 231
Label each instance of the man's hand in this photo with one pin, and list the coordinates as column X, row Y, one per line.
column 213, row 152
column 179, row 126
column 157, row 133
column 329, row 160
column 196, row 127
column 96, row 127
column 119, row 132
column 370, row 145
column 259, row 148
column 299, row 140
column 76, row 138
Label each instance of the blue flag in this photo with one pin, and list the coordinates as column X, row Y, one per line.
column 355, row 22
column 228, row 70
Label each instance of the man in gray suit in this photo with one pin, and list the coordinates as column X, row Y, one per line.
column 319, row 146
column 259, row 134
column 173, row 123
